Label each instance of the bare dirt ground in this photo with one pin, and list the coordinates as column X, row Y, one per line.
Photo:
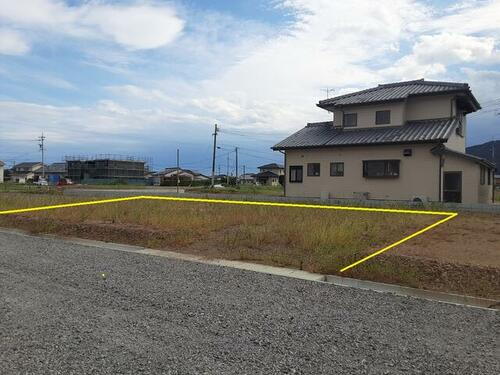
column 469, row 239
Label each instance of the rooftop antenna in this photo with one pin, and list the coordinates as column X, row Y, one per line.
column 328, row 90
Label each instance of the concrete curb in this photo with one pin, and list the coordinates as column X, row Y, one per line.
column 455, row 299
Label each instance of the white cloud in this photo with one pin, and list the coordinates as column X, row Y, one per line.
column 12, row 43
column 140, row 26
column 450, row 48
column 480, row 17
column 485, row 83
column 21, row 121
column 136, row 27
column 36, row 12
column 432, row 54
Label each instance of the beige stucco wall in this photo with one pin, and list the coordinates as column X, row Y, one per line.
column 472, row 190
column 1, row 173
column 415, row 108
column 435, row 106
column 419, row 174
column 366, row 114
column 456, row 142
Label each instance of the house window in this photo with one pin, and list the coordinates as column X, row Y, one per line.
column 295, row 173
column 350, row 120
column 382, row 117
column 482, row 177
column 336, row 169
column 313, row 169
column 380, row 168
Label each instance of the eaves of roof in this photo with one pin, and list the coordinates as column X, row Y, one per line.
column 443, row 150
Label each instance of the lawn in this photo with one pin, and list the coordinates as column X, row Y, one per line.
column 315, row 240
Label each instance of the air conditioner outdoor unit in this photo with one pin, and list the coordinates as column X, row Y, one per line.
column 420, row 199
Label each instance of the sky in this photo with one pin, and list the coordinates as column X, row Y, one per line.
column 147, row 77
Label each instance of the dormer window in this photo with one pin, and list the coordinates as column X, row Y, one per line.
column 350, row 120
column 382, row 117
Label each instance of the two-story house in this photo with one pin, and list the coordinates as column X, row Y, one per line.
column 26, row 172
column 398, row 141
column 270, row 174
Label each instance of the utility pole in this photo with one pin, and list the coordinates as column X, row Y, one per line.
column 41, row 141
column 236, row 151
column 213, row 156
column 177, row 171
column 244, row 173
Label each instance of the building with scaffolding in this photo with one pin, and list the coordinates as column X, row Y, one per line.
column 107, row 169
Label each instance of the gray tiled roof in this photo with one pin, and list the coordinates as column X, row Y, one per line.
column 26, row 164
column 271, row 166
column 323, row 134
column 398, row 91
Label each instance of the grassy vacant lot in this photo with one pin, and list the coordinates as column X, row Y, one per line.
column 241, row 189
column 311, row 239
column 12, row 187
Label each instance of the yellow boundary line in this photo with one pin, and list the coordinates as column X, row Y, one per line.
column 449, row 215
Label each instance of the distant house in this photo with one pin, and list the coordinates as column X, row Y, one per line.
column 55, row 172
column 171, row 175
column 153, row 178
column 247, row 178
column 396, row 141
column 26, row 172
column 2, row 165
column 270, row 174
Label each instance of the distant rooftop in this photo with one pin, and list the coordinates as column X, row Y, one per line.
column 26, row 164
column 271, row 166
column 400, row 91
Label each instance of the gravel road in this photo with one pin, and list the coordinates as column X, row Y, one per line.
column 148, row 314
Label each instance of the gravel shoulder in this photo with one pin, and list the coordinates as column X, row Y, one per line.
column 58, row 314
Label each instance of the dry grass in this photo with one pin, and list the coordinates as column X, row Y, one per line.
column 319, row 240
